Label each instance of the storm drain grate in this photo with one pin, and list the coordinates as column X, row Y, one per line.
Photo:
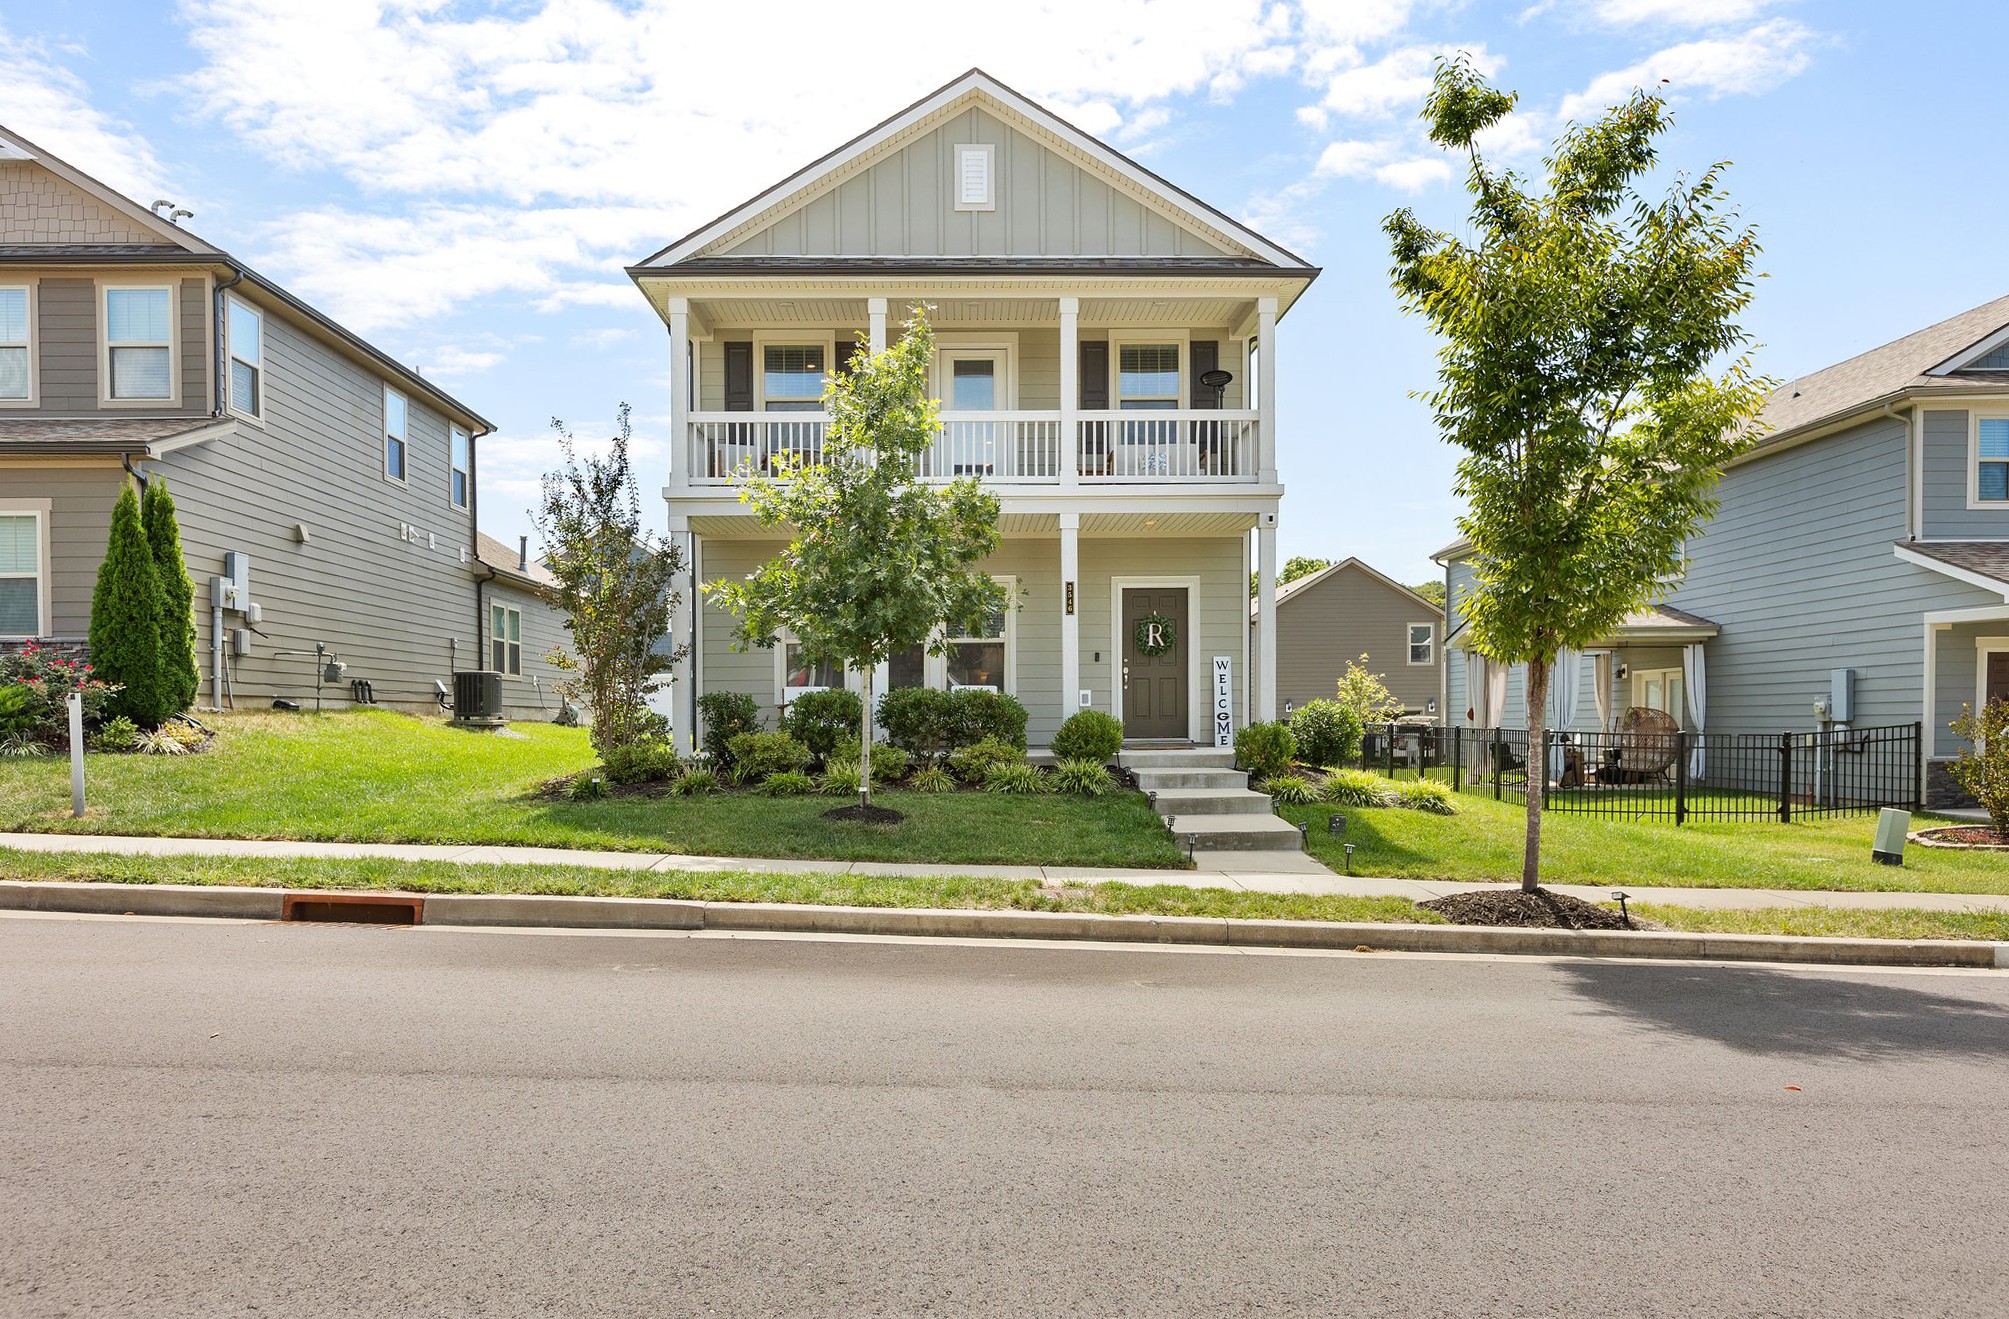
column 353, row 908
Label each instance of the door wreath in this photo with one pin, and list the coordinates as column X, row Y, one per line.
column 1154, row 635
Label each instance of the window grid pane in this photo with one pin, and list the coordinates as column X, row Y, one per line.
column 14, row 317
column 20, row 547
column 244, row 388
column 19, row 607
column 246, row 334
column 394, row 457
column 1148, row 371
column 136, row 316
column 1993, row 481
column 1994, row 437
column 792, row 376
column 140, row 373
column 14, row 372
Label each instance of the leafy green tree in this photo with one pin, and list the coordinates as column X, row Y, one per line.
column 177, row 594
column 614, row 584
column 1432, row 590
column 125, row 621
column 1296, row 566
column 1365, row 694
column 877, row 561
column 1592, row 371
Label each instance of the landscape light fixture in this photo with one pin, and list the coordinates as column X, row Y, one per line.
column 1304, row 835
column 1349, row 858
column 1619, row 896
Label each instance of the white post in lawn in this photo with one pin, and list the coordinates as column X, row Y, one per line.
column 76, row 755
column 1070, row 619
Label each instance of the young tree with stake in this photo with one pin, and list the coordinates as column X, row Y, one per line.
column 1580, row 327
column 877, row 561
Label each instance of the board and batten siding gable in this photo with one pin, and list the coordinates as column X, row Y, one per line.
column 1946, row 439
column 904, row 205
column 1327, row 624
column 398, row 611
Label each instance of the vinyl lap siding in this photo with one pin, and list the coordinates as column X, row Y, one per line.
column 1332, row 622
column 67, row 323
column 80, row 519
column 532, row 695
column 1947, row 516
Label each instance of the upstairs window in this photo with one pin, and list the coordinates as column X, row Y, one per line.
column 246, row 331
column 458, row 484
column 792, row 377
column 395, row 423
column 1147, row 376
column 1991, row 460
column 505, row 640
column 1422, row 643
column 139, row 343
column 14, row 373
column 20, row 575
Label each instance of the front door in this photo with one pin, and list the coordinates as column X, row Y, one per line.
column 1154, row 684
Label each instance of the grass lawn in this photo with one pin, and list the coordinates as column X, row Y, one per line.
column 944, row 891
column 376, row 776
column 1483, row 842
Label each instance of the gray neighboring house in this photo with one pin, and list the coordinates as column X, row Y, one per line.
column 328, row 489
column 1868, row 531
column 1340, row 613
column 522, row 629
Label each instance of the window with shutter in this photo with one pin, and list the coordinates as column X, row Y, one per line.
column 973, row 178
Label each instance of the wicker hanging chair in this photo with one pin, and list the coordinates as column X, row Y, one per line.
column 1648, row 738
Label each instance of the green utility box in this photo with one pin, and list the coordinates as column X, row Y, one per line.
column 1892, row 826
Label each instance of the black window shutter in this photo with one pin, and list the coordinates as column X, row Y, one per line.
column 1094, row 375
column 848, row 351
column 1205, row 355
column 739, row 377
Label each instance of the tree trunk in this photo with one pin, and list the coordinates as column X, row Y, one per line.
column 1538, row 771
column 865, row 745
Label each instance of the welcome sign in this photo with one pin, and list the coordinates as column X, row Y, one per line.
column 1224, row 705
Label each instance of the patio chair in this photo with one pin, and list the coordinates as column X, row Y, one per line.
column 1647, row 743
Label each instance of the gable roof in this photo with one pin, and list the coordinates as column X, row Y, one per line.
column 502, row 561
column 1926, row 362
column 976, row 87
column 1295, row 589
column 179, row 246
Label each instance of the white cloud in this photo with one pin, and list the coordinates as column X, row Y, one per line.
column 1678, row 13
column 1384, row 161
column 1747, row 64
column 50, row 106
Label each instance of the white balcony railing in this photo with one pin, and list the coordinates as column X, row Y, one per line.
column 1020, row 448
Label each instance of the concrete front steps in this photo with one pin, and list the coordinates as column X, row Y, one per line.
column 1207, row 803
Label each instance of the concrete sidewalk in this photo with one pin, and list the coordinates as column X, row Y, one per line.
column 1255, row 872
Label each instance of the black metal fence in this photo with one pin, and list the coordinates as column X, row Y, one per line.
column 1677, row 776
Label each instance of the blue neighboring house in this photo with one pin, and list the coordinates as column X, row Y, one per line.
column 1868, row 532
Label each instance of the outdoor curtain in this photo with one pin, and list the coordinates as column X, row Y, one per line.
column 1568, row 681
column 1600, row 677
column 1692, row 676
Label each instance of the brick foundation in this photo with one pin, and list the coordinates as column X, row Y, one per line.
column 75, row 649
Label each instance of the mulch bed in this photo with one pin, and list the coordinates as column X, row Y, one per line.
column 1538, row 910
column 865, row 815
column 1963, row 835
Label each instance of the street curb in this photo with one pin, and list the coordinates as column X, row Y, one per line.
column 564, row 912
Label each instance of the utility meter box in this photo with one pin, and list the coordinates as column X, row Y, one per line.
column 1842, row 695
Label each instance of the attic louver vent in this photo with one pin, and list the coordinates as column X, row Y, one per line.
column 973, row 179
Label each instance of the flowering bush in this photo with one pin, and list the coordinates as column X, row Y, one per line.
column 49, row 680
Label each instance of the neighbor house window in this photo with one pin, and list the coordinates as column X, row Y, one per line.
column 20, row 575
column 980, row 659
column 396, row 421
column 14, row 366
column 1422, row 643
column 800, row 674
column 1659, row 689
column 505, row 639
column 457, row 486
column 139, row 343
column 246, row 331
column 792, row 377
column 1991, row 457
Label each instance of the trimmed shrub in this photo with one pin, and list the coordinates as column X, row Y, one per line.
column 696, row 781
column 642, row 762
column 21, row 715
column 788, row 783
column 917, row 719
column 758, row 755
column 1089, row 735
column 726, row 716
column 1357, row 787
column 819, row 720
column 889, row 763
column 179, row 674
column 1289, row 789
column 116, row 735
column 1016, row 778
column 839, row 778
column 1425, row 795
column 125, row 620
column 1084, row 776
column 976, row 715
column 932, row 778
column 1326, row 733
column 1264, row 750
column 50, row 681
column 973, row 764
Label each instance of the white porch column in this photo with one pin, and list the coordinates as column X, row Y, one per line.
column 1264, row 679
column 1266, row 399
column 1070, row 410
column 875, row 311
column 681, row 456
column 683, row 632
column 1070, row 616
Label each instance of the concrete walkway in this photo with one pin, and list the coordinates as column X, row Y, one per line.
column 1254, row 872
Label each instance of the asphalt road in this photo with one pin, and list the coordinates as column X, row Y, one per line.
column 224, row 1119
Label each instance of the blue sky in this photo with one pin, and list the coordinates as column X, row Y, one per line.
column 463, row 183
